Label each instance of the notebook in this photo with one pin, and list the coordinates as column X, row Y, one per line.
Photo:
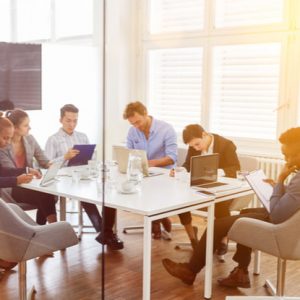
column 204, row 174
column 122, row 154
column 86, row 152
column 50, row 174
column 262, row 189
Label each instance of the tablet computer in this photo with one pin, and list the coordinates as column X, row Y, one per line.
column 85, row 154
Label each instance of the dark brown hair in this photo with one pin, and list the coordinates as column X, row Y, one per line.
column 134, row 107
column 4, row 122
column 68, row 108
column 16, row 116
column 192, row 131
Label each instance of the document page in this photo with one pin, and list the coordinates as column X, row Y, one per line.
column 262, row 189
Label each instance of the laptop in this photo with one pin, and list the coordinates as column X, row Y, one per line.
column 204, row 174
column 50, row 174
column 86, row 152
column 121, row 155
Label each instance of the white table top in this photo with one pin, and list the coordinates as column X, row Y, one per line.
column 158, row 193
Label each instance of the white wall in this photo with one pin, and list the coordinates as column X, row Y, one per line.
column 70, row 75
column 121, row 67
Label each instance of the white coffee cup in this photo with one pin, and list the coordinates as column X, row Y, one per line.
column 127, row 187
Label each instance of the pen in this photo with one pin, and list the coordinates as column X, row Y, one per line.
column 27, row 170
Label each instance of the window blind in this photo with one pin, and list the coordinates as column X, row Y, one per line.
column 233, row 13
column 245, row 90
column 175, row 85
column 176, row 15
column 5, row 21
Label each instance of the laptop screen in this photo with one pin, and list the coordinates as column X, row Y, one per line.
column 204, row 169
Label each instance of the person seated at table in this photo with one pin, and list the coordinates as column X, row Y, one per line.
column 158, row 139
column 12, row 177
column 200, row 143
column 59, row 148
column 284, row 202
column 20, row 154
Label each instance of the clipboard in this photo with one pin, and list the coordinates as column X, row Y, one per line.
column 263, row 190
column 85, row 154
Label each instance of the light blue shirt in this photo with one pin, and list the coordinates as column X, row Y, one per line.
column 162, row 141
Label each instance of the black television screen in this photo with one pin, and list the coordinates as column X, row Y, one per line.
column 21, row 75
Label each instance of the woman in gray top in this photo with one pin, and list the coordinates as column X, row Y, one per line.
column 21, row 153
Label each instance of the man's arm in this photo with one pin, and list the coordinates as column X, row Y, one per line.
column 230, row 163
column 130, row 139
column 170, row 145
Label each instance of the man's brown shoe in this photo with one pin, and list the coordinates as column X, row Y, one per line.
column 179, row 270
column 237, row 278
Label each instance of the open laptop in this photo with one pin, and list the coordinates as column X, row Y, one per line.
column 50, row 174
column 204, row 174
column 121, row 155
column 86, row 152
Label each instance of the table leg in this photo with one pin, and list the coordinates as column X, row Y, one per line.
column 209, row 252
column 62, row 204
column 147, row 259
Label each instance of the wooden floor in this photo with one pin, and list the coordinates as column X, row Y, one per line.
column 76, row 273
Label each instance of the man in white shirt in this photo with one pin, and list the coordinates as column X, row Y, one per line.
column 59, row 148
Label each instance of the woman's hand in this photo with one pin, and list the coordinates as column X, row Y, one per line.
column 285, row 172
column 24, row 178
column 36, row 173
column 270, row 181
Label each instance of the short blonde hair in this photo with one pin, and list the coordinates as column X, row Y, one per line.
column 134, row 107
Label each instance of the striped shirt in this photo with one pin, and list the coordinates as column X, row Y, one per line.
column 59, row 143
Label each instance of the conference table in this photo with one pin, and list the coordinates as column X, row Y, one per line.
column 160, row 196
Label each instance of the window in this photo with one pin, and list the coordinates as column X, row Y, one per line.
column 176, row 15
column 5, row 20
column 239, row 81
column 33, row 20
column 73, row 17
column 175, row 80
column 245, row 81
column 233, row 13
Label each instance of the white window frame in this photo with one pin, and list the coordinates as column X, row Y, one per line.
column 287, row 33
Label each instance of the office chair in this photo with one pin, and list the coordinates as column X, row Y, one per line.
column 22, row 239
column 280, row 240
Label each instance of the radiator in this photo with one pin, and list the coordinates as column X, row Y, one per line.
column 271, row 166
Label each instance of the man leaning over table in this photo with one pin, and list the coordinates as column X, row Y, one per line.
column 200, row 143
column 159, row 140
column 59, row 148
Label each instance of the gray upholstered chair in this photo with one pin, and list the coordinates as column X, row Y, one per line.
column 281, row 240
column 22, row 239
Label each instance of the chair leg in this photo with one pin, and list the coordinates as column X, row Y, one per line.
column 62, row 207
column 279, row 290
column 22, row 280
column 80, row 221
column 257, row 257
column 281, row 267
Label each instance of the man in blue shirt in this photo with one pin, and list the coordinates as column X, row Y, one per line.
column 157, row 138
